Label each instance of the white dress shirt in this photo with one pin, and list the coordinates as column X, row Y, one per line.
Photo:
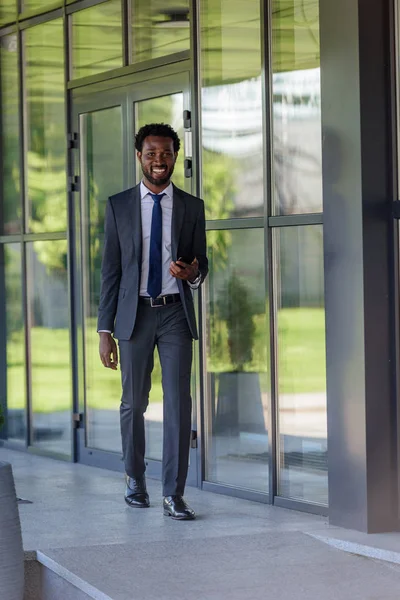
column 169, row 283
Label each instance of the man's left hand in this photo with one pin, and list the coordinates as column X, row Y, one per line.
column 182, row 270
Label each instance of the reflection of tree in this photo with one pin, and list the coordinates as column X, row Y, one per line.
column 11, row 210
column 218, row 193
column 53, row 255
column 151, row 39
column 46, row 158
column 235, row 308
column 12, row 259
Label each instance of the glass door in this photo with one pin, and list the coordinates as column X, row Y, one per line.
column 106, row 125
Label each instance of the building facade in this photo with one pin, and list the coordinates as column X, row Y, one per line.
column 287, row 113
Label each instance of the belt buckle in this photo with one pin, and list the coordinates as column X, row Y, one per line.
column 164, row 302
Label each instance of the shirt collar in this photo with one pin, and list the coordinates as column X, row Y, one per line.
column 144, row 191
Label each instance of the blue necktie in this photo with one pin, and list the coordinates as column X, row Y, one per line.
column 154, row 282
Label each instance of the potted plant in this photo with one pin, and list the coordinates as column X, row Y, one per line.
column 11, row 549
column 239, row 406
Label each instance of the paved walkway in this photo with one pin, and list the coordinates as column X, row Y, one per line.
column 236, row 549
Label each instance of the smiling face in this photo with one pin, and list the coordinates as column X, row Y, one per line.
column 157, row 160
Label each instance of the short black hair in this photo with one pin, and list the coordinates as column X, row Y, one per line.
column 159, row 129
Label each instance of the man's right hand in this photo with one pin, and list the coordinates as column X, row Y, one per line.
column 108, row 351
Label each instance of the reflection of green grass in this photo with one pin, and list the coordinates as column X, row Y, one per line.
column 104, row 385
column 301, row 351
column 51, row 373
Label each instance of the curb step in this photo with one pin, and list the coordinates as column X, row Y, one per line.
column 45, row 579
column 360, row 549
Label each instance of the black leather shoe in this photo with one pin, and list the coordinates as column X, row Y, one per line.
column 136, row 494
column 176, row 507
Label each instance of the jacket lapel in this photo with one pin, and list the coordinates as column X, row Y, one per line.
column 136, row 214
column 178, row 213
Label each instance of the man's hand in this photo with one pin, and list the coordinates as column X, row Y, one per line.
column 182, row 270
column 108, row 351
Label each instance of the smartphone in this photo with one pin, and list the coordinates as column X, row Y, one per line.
column 186, row 259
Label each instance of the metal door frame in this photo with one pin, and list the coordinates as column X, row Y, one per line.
column 125, row 92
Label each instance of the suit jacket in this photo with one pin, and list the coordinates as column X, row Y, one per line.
column 122, row 257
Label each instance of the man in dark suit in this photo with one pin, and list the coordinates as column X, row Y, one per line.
column 154, row 255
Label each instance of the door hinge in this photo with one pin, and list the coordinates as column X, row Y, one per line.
column 73, row 141
column 193, row 439
column 73, row 183
column 77, row 419
column 187, row 119
column 188, row 167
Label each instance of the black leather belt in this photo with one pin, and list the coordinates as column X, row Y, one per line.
column 160, row 301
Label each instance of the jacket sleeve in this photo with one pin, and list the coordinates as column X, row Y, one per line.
column 110, row 272
column 200, row 243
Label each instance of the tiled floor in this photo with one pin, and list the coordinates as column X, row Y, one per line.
column 235, row 549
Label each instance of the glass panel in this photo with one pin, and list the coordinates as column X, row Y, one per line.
column 10, row 211
column 237, row 360
column 160, row 27
column 46, row 137
column 50, row 347
column 97, row 39
column 166, row 109
column 15, row 343
column 102, row 176
column 232, row 108
column 8, row 11
column 296, row 106
column 301, row 364
column 40, row 5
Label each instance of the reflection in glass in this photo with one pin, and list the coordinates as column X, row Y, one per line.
column 10, row 211
column 301, row 364
column 102, row 176
column 166, row 109
column 50, row 347
column 237, row 360
column 231, row 108
column 97, row 39
column 15, row 343
column 296, row 107
column 40, row 5
column 160, row 28
column 8, row 11
column 46, row 156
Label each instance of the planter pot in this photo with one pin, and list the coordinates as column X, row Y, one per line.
column 11, row 550
column 239, row 406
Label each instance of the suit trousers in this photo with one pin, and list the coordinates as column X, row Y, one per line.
column 165, row 327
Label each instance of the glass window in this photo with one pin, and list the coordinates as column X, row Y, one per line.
column 231, row 108
column 301, row 364
column 160, row 27
column 15, row 395
column 102, row 176
column 8, row 11
column 50, row 347
column 40, row 5
column 10, row 209
column 297, row 145
column 97, row 39
column 237, row 360
column 45, row 127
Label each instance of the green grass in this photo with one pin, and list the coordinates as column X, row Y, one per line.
column 301, row 350
column 301, row 362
